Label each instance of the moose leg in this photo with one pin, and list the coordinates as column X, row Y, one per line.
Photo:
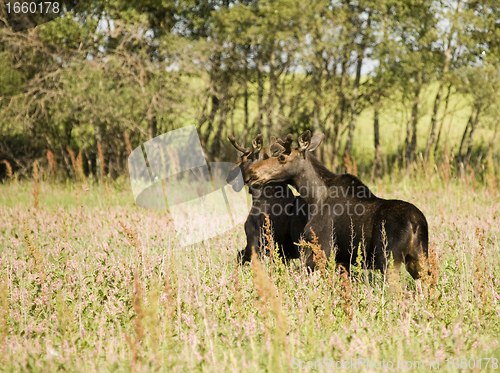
column 287, row 249
column 252, row 231
column 414, row 266
column 401, row 231
column 242, row 258
column 418, row 255
column 418, row 252
column 391, row 241
column 382, row 262
column 322, row 232
column 408, row 247
column 245, row 255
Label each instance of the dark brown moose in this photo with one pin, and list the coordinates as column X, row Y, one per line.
column 344, row 213
column 287, row 212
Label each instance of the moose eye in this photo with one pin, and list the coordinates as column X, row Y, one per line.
column 281, row 158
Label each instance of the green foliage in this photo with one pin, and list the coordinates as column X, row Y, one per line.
column 248, row 67
column 10, row 78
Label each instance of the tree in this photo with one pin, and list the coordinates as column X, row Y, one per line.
column 414, row 27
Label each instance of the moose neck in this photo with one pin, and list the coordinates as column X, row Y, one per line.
column 312, row 180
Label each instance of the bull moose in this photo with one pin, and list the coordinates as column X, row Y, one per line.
column 345, row 213
column 287, row 212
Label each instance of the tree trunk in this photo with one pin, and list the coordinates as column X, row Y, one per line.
column 432, row 135
column 470, row 141
column 317, row 128
column 98, row 136
column 217, row 141
column 354, row 107
column 273, row 83
column 203, row 117
column 377, row 163
column 225, row 83
column 260, row 94
column 215, row 104
column 317, row 107
column 211, row 117
column 68, row 168
column 493, row 140
column 111, row 173
column 437, row 101
column 246, row 98
column 340, row 110
column 464, row 136
column 447, row 100
column 411, row 129
column 152, row 127
column 89, row 162
column 244, row 133
column 355, row 91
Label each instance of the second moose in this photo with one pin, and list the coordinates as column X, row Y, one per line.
column 287, row 212
column 345, row 214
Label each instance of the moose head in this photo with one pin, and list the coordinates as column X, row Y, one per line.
column 256, row 154
column 286, row 165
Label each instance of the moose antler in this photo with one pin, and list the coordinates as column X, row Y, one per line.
column 275, row 146
column 238, row 147
column 257, row 143
column 287, row 143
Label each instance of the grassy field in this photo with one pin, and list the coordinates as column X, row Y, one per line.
column 90, row 282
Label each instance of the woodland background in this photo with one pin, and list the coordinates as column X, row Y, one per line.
column 390, row 82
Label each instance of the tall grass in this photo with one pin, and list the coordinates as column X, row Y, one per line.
column 101, row 285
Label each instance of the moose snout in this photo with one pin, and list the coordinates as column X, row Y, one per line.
column 252, row 179
column 235, row 179
column 249, row 175
column 233, row 174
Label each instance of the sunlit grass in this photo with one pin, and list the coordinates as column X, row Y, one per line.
column 95, row 283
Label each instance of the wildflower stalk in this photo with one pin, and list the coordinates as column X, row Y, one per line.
column 4, row 313
column 480, row 273
column 267, row 293
column 137, row 324
column 345, row 291
column 8, row 168
column 36, row 186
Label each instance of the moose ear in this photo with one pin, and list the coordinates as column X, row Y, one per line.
column 315, row 141
column 287, row 143
column 304, row 141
